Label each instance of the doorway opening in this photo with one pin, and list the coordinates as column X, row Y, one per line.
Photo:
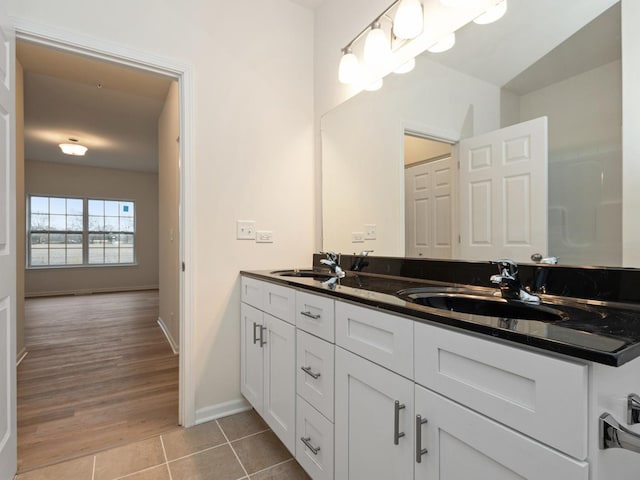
column 179, row 314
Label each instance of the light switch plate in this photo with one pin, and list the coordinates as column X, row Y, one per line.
column 357, row 237
column 370, row 232
column 246, row 230
column 264, row 236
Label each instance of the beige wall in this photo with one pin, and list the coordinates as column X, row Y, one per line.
column 20, row 217
column 47, row 178
column 168, row 226
column 252, row 114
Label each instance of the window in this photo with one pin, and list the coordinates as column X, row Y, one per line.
column 80, row 231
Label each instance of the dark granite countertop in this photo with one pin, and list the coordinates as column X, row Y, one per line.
column 602, row 332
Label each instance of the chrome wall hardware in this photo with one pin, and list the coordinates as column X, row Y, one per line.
column 614, row 435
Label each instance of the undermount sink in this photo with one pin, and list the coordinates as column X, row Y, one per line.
column 307, row 273
column 468, row 301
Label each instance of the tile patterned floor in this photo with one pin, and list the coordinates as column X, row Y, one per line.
column 232, row 448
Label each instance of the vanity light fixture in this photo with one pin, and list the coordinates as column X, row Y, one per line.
column 409, row 20
column 406, row 67
column 349, row 69
column 73, row 148
column 493, row 14
column 443, row 44
column 377, row 46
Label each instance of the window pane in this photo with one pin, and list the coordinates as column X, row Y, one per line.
column 111, row 208
column 56, row 238
column 39, row 205
column 40, row 222
column 126, row 209
column 58, row 223
column 111, row 254
column 57, row 206
column 110, row 224
column 96, row 224
column 57, row 256
column 39, row 249
column 126, row 224
column 74, row 249
column 74, row 223
column 74, row 206
column 96, row 207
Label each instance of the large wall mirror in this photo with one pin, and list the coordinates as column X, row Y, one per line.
column 544, row 59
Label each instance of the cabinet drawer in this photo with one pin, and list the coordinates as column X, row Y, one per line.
column 315, row 358
column 315, row 314
column 380, row 337
column 252, row 292
column 540, row 396
column 279, row 301
column 314, row 436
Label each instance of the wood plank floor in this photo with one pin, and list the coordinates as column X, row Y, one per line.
column 99, row 373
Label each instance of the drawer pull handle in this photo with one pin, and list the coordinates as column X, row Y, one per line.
column 614, row 435
column 419, row 450
column 262, row 340
column 397, row 435
column 307, row 442
column 310, row 315
column 308, row 371
column 633, row 409
column 255, row 335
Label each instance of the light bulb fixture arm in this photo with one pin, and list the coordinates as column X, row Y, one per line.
column 384, row 14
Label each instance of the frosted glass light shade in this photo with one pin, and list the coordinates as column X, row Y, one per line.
column 376, row 47
column 408, row 21
column 349, row 69
column 493, row 14
column 73, row 149
column 443, row 45
column 406, row 67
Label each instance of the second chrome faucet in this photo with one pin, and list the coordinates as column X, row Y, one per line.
column 509, row 282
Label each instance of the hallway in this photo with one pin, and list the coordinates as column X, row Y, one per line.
column 99, row 373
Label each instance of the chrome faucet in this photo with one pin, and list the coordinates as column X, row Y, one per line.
column 509, row 282
column 333, row 262
column 361, row 261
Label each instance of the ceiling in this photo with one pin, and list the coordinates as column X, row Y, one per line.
column 111, row 109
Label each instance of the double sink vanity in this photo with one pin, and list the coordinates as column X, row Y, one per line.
column 387, row 368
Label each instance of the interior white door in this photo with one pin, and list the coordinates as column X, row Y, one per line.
column 503, row 193
column 8, row 445
column 428, row 209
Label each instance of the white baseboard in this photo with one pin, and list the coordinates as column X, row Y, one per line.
column 220, row 410
column 174, row 345
column 23, row 353
column 89, row 291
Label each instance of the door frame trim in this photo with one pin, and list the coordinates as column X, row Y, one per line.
column 76, row 43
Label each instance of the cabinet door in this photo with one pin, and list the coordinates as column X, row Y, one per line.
column 252, row 372
column 365, row 414
column 461, row 444
column 279, row 379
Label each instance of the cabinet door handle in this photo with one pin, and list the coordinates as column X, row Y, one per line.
column 255, row 335
column 397, row 435
column 307, row 442
column 262, row 340
column 633, row 409
column 310, row 315
column 419, row 450
column 308, row 371
column 614, row 435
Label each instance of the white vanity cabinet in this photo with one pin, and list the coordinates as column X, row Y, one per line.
column 268, row 355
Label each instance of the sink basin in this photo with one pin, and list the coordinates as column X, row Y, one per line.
column 467, row 301
column 309, row 273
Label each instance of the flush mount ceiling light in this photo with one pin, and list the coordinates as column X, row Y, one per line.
column 73, row 148
column 493, row 14
column 408, row 22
